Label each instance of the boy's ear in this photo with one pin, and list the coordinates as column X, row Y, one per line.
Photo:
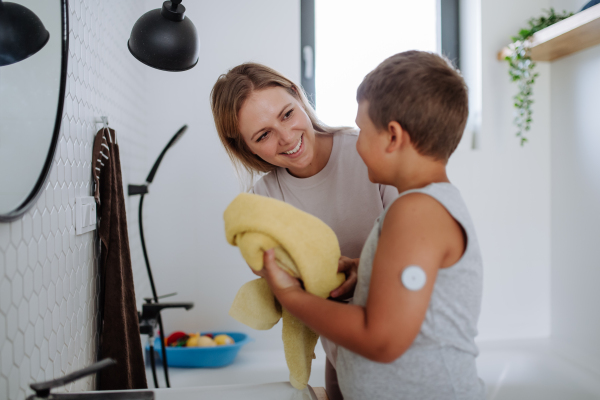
column 396, row 136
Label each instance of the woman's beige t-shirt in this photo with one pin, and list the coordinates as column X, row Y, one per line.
column 341, row 195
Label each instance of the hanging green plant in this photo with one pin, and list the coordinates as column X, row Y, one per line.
column 522, row 68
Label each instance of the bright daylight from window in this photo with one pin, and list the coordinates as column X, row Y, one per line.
column 353, row 37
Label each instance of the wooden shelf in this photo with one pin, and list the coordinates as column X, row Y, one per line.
column 568, row 36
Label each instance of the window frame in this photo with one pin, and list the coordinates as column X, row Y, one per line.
column 448, row 40
column 307, row 46
column 449, row 30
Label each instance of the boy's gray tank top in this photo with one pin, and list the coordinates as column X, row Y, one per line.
column 440, row 363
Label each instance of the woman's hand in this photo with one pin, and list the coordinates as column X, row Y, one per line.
column 279, row 281
column 349, row 266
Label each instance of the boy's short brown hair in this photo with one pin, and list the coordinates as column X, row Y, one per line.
column 424, row 94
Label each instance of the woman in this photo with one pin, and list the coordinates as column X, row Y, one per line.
column 267, row 125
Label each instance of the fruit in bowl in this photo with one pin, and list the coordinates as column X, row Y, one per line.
column 223, row 339
column 205, row 341
column 180, row 339
column 196, row 340
column 206, row 350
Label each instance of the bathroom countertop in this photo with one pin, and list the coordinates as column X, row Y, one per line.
column 251, row 367
column 266, row 391
column 512, row 370
column 517, row 369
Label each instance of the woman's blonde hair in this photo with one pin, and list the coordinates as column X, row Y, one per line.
column 227, row 97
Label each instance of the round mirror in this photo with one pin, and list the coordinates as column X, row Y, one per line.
column 32, row 92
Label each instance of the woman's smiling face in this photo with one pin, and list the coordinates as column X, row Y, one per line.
column 276, row 128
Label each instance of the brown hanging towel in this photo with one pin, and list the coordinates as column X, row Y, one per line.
column 120, row 331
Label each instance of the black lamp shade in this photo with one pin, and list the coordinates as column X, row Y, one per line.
column 164, row 39
column 22, row 33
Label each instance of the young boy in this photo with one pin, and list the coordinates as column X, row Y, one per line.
column 409, row 331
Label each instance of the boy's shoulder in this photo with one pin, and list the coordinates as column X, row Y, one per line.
column 434, row 193
column 418, row 212
column 422, row 221
column 414, row 204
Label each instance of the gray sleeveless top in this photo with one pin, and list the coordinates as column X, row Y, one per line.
column 440, row 364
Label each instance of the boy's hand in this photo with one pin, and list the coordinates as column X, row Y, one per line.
column 277, row 278
column 258, row 273
column 349, row 266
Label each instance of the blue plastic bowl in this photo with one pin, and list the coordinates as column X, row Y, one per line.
column 203, row 357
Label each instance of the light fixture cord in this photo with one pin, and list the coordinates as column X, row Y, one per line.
column 174, row 4
column 154, row 295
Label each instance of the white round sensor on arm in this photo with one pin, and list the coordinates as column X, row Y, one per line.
column 413, row 277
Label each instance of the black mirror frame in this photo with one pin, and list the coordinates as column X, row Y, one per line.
column 33, row 196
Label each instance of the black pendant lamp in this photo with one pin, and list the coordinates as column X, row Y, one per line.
column 164, row 39
column 22, row 33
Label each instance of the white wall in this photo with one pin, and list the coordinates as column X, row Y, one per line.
column 575, row 213
column 506, row 186
column 195, row 182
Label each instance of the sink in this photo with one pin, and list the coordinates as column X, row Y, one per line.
column 265, row 391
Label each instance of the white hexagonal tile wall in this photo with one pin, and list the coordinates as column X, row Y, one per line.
column 23, row 315
column 12, row 322
column 10, row 256
column 16, row 232
column 17, row 289
column 4, row 235
column 18, row 349
column 3, row 387
column 2, row 330
column 39, row 332
column 5, row 295
column 48, row 277
column 6, row 358
column 14, row 384
column 22, row 257
column 29, row 339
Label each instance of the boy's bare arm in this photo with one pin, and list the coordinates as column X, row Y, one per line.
column 417, row 231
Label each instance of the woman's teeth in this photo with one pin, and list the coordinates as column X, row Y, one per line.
column 295, row 149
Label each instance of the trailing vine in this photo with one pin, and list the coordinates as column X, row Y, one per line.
column 522, row 68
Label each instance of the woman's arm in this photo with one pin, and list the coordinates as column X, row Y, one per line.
column 415, row 232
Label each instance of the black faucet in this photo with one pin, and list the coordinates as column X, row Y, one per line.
column 149, row 315
column 42, row 389
column 149, row 318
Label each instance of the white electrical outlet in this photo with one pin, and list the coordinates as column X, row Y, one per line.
column 85, row 214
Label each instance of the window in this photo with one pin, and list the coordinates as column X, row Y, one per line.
column 342, row 40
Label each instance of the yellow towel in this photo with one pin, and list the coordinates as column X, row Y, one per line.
column 305, row 247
